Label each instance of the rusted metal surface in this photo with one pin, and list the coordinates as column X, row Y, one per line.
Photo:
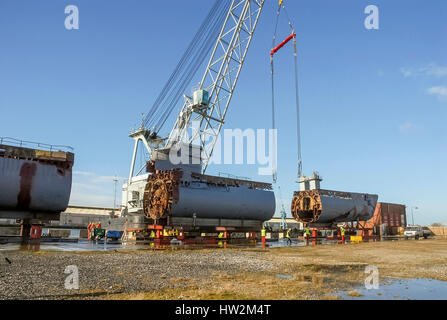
column 231, row 182
column 34, row 181
column 27, row 173
column 150, row 167
column 325, row 206
column 390, row 216
column 162, row 189
column 307, row 206
column 43, row 156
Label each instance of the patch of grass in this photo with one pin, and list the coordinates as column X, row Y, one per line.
column 245, row 286
column 355, row 294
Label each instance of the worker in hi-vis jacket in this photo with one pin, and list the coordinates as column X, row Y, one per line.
column 289, row 241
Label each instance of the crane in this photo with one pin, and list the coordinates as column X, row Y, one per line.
column 181, row 194
column 208, row 107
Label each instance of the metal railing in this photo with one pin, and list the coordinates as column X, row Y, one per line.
column 231, row 176
column 33, row 145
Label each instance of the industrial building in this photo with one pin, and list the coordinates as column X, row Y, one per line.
column 82, row 215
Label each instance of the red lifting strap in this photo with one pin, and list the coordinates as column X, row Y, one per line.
column 282, row 44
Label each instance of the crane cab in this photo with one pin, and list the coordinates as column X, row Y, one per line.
column 201, row 98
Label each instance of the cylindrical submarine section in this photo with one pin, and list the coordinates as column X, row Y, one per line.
column 169, row 193
column 34, row 181
column 325, row 207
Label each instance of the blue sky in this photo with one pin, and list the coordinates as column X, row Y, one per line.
column 374, row 102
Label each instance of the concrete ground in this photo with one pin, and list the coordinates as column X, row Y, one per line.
column 280, row 273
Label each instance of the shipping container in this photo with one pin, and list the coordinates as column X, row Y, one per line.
column 388, row 219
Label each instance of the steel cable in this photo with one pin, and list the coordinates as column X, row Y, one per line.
column 298, row 120
column 187, row 67
column 177, row 71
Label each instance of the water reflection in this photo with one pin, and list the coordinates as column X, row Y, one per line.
column 84, row 245
column 402, row 289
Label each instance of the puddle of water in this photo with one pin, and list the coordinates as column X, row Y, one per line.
column 81, row 245
column 85, row 245
column 91, row 246
column 284, row 276
column 297, row 243
column 413, row 289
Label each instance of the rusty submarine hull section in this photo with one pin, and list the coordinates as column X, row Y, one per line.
column 326, row 207
column 180, row 196
column 34, row 183
column 170, row 193
column 315, row 206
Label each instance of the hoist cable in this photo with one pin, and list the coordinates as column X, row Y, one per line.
column 298, row 120
column 288, row 18
column 276, row 26
column 180, row 66
column 272, row 53
column 193, row 62
column 274, row 170
column 187, row 67
column 193, row 67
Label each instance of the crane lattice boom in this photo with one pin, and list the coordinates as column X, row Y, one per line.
column 219, row 80
column 207, row 115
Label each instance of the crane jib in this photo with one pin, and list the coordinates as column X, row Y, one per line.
column 282, row 44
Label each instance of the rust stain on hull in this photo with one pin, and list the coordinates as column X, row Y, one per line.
column 27, row 173
column 33, row 182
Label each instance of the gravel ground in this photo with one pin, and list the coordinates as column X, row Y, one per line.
column 284, row 273
column 41, row 275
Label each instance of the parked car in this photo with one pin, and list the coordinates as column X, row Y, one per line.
column 416, row 232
